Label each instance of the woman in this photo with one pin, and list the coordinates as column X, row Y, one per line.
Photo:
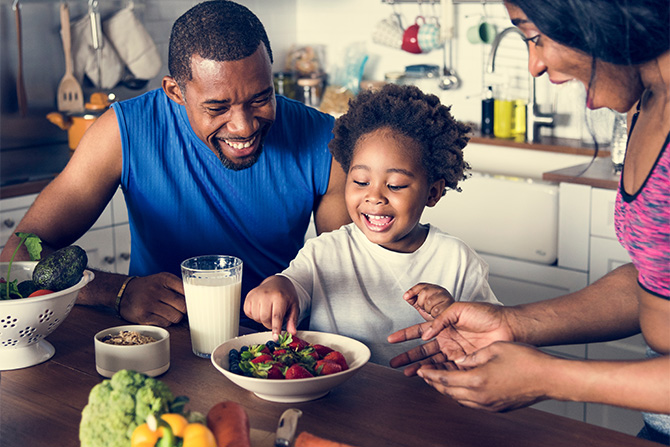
column 619, row 50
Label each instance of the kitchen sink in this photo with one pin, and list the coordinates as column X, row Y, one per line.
column 505, row 208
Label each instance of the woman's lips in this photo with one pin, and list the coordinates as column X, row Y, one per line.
column 378, row 222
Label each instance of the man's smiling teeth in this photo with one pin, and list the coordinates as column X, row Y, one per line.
column 236, row 145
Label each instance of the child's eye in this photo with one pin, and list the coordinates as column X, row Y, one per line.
column 361, row 183
column 396, row 187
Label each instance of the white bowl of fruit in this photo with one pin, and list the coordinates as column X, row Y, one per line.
column 295, row 368
column 35, row 298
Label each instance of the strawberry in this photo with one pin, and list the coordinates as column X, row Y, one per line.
column 275, row 373
column 337, row 357
column 279, row 351
column 297, row 372
column 263, row 358
column 325, row 367
column 322, row 350
column 309, row 352
column 297, row 344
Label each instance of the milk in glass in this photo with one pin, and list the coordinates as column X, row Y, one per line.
column 213, row 312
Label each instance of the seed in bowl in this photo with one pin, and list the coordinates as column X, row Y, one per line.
column 128, row 338
column 288, row 358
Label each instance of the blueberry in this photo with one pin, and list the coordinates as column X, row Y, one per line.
column 244, row 348
column 272, row 345
column 233, row 355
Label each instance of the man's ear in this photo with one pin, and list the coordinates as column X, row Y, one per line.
column 172, row 90
column 435, row 192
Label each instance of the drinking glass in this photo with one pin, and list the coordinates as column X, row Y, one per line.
column 212, row 286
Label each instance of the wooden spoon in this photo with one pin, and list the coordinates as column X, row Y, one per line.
column 70, row 96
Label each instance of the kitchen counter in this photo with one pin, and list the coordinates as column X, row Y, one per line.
column 599, row 174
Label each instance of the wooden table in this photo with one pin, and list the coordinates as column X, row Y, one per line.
column 41, row 405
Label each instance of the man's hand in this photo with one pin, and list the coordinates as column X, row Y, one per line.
column 463, row 328
column 429, row 299
column 157, row 300
column 500, row 377
column 272, row 301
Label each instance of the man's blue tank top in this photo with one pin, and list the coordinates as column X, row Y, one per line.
column 183, row 202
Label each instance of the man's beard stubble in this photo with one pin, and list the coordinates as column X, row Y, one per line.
column 246, row 163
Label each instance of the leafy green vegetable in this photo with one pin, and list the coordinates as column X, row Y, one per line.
column 118, row 405
column 34, row 247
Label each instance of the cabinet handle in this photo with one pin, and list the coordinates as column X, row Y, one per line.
column 124, row 256
column 9, row 223
column 108, row 259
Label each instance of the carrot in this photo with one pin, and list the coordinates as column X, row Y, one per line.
column 230, row 424
column 306, row 439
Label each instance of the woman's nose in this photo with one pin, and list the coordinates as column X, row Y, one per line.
column 536, row 65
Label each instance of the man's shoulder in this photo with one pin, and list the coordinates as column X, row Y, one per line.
column 295, row 112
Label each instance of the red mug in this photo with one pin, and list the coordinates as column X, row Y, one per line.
column 410, row 38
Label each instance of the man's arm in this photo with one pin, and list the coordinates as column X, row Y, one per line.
column 71, row 203
column 331, row 211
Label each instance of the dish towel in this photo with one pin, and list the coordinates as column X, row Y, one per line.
column 133, row 44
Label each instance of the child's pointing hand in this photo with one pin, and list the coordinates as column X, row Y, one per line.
column 273, row 301
column 429, row 299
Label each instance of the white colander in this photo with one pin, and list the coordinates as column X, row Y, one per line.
column 25, row 322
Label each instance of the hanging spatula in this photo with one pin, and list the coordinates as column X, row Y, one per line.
column 70, row 96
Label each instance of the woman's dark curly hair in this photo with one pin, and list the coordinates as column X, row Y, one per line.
column 410, row 112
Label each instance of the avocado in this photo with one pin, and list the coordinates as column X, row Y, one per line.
column 61, row 269
column 26, row 287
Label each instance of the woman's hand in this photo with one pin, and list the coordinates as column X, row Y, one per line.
column 429, row 299
column 502, row 376
column 461, row 329
column 274, row 300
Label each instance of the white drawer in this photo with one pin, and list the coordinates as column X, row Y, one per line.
column 8, row 222
column 602, row 212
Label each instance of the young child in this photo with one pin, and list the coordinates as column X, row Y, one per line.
column 400, row 149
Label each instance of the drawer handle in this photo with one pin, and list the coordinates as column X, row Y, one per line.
column 108, row 259
column 9, row 223
column 124, row 256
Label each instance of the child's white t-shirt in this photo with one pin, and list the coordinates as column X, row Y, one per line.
column 350, row 286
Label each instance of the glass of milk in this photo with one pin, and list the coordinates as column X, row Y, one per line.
column 212, row 285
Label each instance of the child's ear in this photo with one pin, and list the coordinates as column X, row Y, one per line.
column 435, row 192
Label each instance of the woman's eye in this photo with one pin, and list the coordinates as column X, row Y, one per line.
column 535, row 39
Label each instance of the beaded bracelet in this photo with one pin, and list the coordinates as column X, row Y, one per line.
column 119, row 296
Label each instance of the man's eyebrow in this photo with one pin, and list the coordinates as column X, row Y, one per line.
column 267, row 91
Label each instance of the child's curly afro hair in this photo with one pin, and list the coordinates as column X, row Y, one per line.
column 408, row 111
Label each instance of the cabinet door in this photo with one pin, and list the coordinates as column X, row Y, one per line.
column 122, row 248
column 12, row 211
column 99, row 246
column 606, row 255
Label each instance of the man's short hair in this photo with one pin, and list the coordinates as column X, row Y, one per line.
column 217, row 30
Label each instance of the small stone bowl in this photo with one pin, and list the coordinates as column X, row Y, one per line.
column 152, row 359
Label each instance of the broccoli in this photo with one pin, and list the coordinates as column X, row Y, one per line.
column 116, row 406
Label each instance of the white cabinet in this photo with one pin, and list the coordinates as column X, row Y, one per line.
column 12, row 211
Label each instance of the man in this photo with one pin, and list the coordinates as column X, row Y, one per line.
column 211, row 163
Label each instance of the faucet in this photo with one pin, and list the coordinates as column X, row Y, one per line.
column 534, row 118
